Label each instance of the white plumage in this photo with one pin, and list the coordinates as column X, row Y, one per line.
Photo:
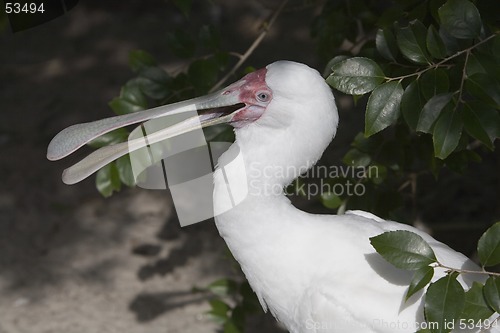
column 315, row 273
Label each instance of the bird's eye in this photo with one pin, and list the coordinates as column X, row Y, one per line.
column 263, row 96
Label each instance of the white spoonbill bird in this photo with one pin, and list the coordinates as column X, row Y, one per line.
column 314, row 273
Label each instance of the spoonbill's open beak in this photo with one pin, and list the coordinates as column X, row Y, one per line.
column 224, row 106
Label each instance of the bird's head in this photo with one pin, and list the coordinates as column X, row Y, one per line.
column 283, row 114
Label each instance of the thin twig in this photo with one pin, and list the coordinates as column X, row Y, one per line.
column 466, row 271
column 436, row 65
column 252, row 47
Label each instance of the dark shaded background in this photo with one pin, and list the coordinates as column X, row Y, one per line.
column 72, row 261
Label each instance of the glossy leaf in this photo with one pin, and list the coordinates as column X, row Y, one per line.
column 383, row 107
column 476, row 307
column 435, row 44
column 139, row 59
column 356, row 158
column 356, row 76
column 475, row 66
column 444, row 302
column 154, row 82
column 231, row 327
column 404, row 249
column 125, row 171
column 131, row 99
column 434, row 82
column 488, row 247
column 451, row 43
column 108, row 180
column 460, row 18
column 420, row 279
column 377, row 173
column 412, row 104
column 484, row 87
column 222, row 287
column 116, row 136
column 412, row 42
column 385, row 42
column 218, row 311
column 492, row 293
column 431, row 111
column 481, row 122
column 329, row 65
column 446, row 134
column 330, row 200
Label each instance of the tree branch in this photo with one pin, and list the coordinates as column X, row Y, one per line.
column 252, row 47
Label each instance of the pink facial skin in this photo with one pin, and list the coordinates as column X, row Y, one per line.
column 254, row 92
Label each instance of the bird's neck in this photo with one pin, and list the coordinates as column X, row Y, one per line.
column 255, row 172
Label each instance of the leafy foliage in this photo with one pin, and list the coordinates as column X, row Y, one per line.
column 430, row 73
column 446, row 302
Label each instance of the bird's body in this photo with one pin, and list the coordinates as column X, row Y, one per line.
column 319, row 273
column 315, row 273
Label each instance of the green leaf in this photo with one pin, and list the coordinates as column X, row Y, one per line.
column 431, row 111
column 492, row 293
column 139, row 59
column 475, row 66
column 481, row 122
column 125, row 170
column 446, row 134
column 184, row 6
column 377, row 173
column 356, row 158
column 412, row 104
column 383, row 107
column 116, row 136
column 488, row 246
column 460, row 18
column 131, row 99
column 219, row 311
column 444, row 302
column 412, row 42
column 421, row 278
column 451, row 43
column 356, row 76
column 107, row 180
column 238, row 317
column 329, row 65
column 231, row 327
column 484, row 87
column 222, row 287
column 154, row 82
column 330, row 200
column 435, row 44
column 385, row 42
column 476, row 307
column 434, row 82
column 404, row 249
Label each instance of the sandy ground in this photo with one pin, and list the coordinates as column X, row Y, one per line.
column 67, row 261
